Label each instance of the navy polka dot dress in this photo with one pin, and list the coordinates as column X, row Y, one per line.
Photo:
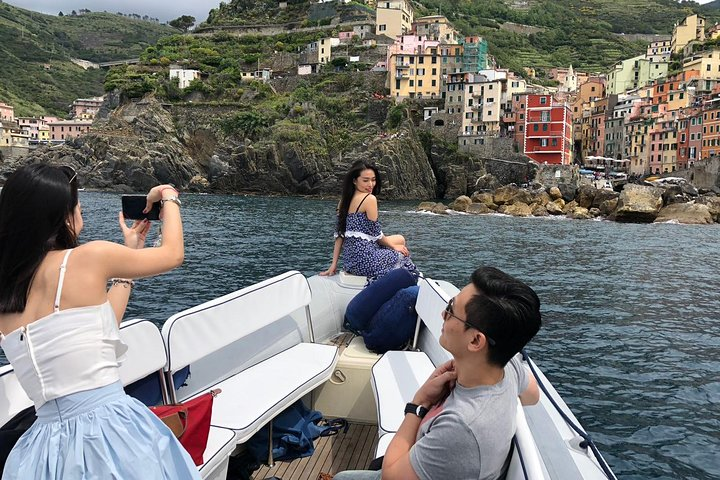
column 363, row 255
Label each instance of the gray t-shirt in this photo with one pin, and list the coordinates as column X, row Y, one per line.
column 469, row 435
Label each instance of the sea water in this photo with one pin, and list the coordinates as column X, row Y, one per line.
column 631, row 313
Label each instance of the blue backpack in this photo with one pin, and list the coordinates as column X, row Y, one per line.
column 361, row 309
column 393, row 325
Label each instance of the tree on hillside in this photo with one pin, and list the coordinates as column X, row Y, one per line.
column 183, row 23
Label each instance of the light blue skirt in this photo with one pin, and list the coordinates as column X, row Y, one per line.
column 98, row 434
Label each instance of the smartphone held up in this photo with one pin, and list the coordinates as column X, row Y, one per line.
column 133, row 206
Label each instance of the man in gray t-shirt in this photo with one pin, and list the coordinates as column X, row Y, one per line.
column 462, row 419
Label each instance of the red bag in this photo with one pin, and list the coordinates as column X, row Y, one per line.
column 190, row 422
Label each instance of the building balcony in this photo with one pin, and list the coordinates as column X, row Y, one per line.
column 402, row 65
column 401, row 75
column 543, row 150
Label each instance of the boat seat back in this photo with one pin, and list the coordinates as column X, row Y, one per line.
column 432, row 300
column 146, row 354
column 13, row 398
column 146, row 350
column 199, row 331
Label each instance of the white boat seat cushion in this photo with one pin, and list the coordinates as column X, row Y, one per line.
column 395, row 379
column 221, row 443
column 383, row 444
column 253, row 397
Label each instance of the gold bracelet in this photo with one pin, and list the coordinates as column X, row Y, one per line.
column 127, row 283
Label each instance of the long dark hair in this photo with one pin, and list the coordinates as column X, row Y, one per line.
column 348, row 190
column 35, row 205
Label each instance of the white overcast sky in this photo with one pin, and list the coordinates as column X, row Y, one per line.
column 162, row 9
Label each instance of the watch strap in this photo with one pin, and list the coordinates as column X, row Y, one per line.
column 174, row 199
column 418, row 410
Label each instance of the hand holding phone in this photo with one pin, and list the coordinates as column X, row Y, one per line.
column 133, row 206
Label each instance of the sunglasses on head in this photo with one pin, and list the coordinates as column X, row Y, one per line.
column 70, row 172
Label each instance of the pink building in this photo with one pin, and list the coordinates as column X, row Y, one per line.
column 345, row 37
column 7, row 112
column 65, row 129
column 86, row 108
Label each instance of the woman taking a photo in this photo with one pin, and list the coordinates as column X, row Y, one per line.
column 59, row 325
column 365, row 250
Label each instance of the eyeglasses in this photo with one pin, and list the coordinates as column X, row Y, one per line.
column 448, row 312
column 70, row 172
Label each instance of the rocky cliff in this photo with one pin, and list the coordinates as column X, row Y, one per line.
column 143, row 143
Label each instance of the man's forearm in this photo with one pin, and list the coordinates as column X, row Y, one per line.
column 396, row 464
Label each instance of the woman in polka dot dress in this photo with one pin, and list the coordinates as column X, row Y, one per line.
column 365, row 250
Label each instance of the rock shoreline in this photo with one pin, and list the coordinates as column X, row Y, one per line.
column 634, row 204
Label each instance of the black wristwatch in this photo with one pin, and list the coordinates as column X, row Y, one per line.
column 418, row 410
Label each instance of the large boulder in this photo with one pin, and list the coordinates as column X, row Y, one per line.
column 555, row 193
column 689, row 189
column 505, row 195
column 602, row 195
column 426, row 206
column 440, row 209
column 517, row 209
column 569, row 207
column 713, row 204
column 568, row 191
column 586, row 196
column 553, row 208
column 579, row 213
column 478, row 208
column 673, row 194
column 540, row 196
column 638, row 204
column 487, row 182
column 608, row 207
column 688, row 213
column 485, row 198
column 539, row 211
column 461, row 203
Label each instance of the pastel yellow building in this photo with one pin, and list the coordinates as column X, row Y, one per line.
column 414, row 68
column 692, row 28
column 393, row 18
column 637, row 145
column 44, row 134
column 707, row 63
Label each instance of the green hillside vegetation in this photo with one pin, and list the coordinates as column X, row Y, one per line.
column 584, row 33
column 299, row 13
column 37, row 76
column 222, row 57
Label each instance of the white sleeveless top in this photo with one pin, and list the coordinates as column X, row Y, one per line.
column 67, row 351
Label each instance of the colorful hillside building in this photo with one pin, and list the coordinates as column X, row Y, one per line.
column 548, row 130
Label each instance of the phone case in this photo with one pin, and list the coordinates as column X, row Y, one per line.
column 133, row 206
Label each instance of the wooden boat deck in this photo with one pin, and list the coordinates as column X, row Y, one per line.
column 345, row 451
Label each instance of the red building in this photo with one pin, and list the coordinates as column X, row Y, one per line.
column 548, row 130
column 689, row 137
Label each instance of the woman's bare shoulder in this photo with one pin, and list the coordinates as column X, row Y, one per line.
column 95, row 248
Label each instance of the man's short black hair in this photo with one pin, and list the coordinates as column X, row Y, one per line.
column 506, row 310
